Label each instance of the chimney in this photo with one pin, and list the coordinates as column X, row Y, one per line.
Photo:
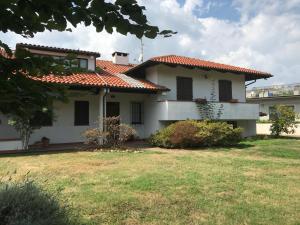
column 120, row 58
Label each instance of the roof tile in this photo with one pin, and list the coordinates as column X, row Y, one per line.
column 187, row 61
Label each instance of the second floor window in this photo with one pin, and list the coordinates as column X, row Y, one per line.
column 184, row 88
column 83, row 63
column 225, row 90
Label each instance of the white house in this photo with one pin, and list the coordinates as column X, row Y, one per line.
column 148, row 96
column 269, row 96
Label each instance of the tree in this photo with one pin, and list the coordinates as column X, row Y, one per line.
column 283, row 120
column 28, row 17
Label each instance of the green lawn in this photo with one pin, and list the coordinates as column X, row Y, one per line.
column 256, row 183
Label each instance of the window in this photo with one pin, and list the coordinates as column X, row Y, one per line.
column 69, row 62
column 81, row 113
column 83, row 63
column 136, row 112
column 184, row 88
column 272, row 111
column 225, row 90
column 42, row 118
column 112, row 109
column 233, row 124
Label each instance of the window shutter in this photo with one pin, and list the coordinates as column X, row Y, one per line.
column 225, row 90
column 136, row 113
column 81, row 113
column 184, row 88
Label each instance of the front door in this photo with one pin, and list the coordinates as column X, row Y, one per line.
column 112, row 109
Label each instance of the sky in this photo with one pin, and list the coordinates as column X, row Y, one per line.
column 259, row 34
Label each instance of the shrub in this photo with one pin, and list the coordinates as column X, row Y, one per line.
column 115, row 134
column 27, row 204
column 191, row 133
column 283, row 120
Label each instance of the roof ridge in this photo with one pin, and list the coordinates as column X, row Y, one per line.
column 209, row 61
column 22, row 44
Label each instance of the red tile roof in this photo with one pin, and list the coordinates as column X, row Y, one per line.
column 56, row 49
column 187, row 61
column 110, row 67
column 100, row 79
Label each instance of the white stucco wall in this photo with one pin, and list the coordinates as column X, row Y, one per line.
column 7, row 131
column 264, row 128
column 63, row 129
column 249, row 127
column 202, row 81
column 125, row 100
column 265, row 104
column 182, row 110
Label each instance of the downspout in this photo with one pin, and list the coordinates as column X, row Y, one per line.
column 106, row 91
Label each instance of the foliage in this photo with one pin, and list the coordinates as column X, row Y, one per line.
column 192, row 133
column 33, row 98
column 283, row 120
column 209, row 109
column 29, row 17
column 26, row 203
column 19, row 89
column 114, row 134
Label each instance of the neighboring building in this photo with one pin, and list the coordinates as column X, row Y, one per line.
column 268, row 97
column 148, row 96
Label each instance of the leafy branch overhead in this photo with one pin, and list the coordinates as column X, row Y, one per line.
column 28, row 17
column 20, row 97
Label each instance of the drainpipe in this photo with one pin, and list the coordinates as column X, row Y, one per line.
column 106, row 91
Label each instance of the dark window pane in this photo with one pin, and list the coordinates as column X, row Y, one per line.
column 225, row 90
column 136, row 112
column 81, row 113
column 112, row 109
column 184, row 88
column 83, row 63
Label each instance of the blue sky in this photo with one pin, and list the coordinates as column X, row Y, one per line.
column 221, row 9
column 259, row 34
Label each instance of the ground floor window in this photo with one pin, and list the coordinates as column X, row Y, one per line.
column 81, row 113
column 136, row 113
column 233, row 124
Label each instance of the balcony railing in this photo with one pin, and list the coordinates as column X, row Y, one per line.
column 182, row 110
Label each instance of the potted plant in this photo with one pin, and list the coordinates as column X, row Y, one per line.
column 201, row 100
column 234, row 100
column 45, row 142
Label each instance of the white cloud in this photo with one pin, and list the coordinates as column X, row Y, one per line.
column 266, row 38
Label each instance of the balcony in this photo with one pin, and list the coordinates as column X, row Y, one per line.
column 182, row 110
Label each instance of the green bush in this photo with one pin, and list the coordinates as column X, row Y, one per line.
column 27, row 204
column 190, row 133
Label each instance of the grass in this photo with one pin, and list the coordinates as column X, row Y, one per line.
column 255, row 183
